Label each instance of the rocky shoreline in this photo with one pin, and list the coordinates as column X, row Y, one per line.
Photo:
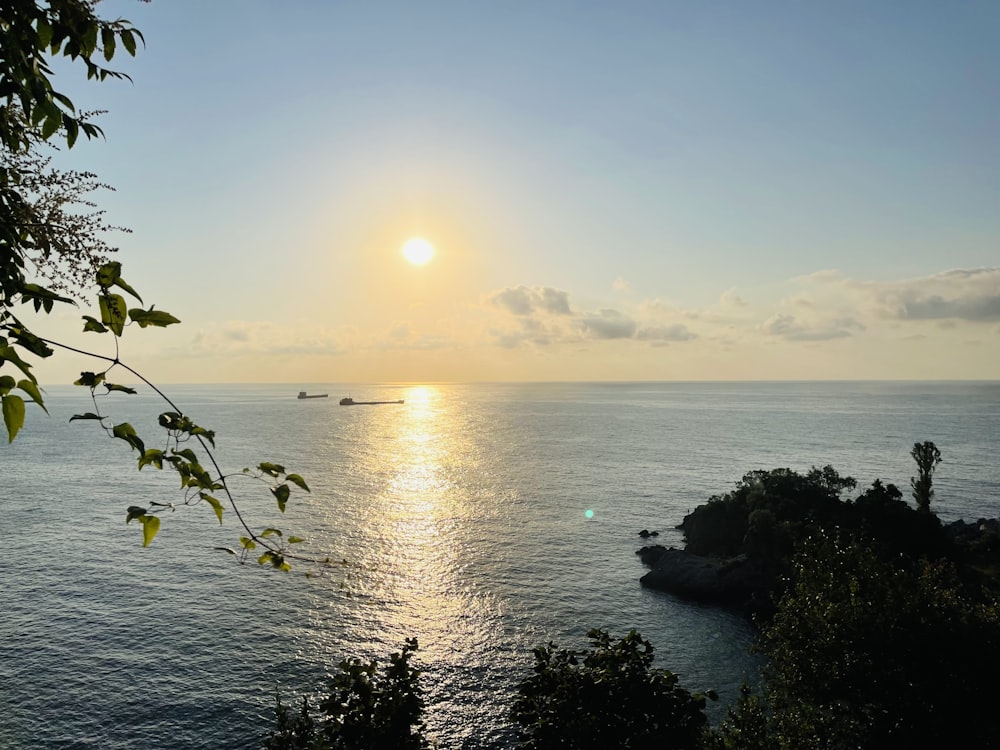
column 737, row 581
column 730, row 582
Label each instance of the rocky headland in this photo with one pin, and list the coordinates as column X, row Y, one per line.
column 740, row 582
column 731, row 582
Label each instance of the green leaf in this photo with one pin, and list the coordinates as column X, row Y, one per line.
column 29, row 341
column 32, row 390
column 270, row 531
column 126, row 432
column 9, row 354
column 122, row 388
column 297, row 480
column 189, row 454
column 277, row 561
column 169, row 420
column 36, row 293
column 89, row 379
column 108, row 274
column 50, row 126
column 93, row 324
column 152, row 456
column 272, row 470
column 134, row 511
column 157, row 318
column 281, row 493
column 7, row 384
column 209, row 435
column 63, row 100
column 295, row 539
column 113, row 312
column 216, row 505
column 108, row 42
column 37, row 115
column 150, row 525
column 88, row 42
column 72, row 128
column 44, row 33
column 13, row 415
column 120, row 282
column 88, row 415
column 248, row 543
column 128, row 41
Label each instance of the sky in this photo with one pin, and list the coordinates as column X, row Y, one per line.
column 615, row 191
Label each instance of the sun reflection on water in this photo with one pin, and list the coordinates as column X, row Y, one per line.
column 409, row 513
column 417, row 526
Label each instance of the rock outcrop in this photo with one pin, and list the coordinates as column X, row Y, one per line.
column 732, row 582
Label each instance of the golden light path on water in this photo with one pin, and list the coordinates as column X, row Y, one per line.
column 420, row 507
column 412, row 511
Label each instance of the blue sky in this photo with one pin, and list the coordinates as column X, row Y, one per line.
column 659, row 190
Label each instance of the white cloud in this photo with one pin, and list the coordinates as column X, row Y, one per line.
column 523, row 300
column 609, row 324
column 961, row 294
column 730, row 298
column 790, row 328
column 971, row 295
column 543, row 316
column 675, row 332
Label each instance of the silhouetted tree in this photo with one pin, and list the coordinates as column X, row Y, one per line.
column 609, row 696
column 927, row 456
column 874, row 653
column 368, row 708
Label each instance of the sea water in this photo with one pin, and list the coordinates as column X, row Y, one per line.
column 483, row 520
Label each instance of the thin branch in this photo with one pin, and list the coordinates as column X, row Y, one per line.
column 115, row 361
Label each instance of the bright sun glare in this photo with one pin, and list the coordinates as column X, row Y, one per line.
column 418, row 251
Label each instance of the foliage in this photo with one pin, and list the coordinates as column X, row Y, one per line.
column 31, row 32
column 867, row 652
column 36, row 223
column 607, row 696
column 721, row 526
column 201, row 479
column 770, row 513
column 367, row 708
column 882, row 519
column 44, row 230
column 927, row 456
column 60, row 231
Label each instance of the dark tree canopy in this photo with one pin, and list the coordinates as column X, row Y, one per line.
column 607, row 696
column 874, row 653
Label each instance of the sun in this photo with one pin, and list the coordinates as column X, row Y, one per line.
column 418, row 251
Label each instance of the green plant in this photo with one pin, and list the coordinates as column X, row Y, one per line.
column 927, row 456
column 48, row 225
column 368, row 707
column 870, row 652
column 38, row 227
column 607, row 696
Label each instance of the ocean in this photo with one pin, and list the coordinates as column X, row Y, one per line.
column 482, row 519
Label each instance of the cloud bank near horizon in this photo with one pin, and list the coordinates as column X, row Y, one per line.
column 796, row 324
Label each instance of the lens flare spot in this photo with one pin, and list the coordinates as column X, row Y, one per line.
column 588, row 513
